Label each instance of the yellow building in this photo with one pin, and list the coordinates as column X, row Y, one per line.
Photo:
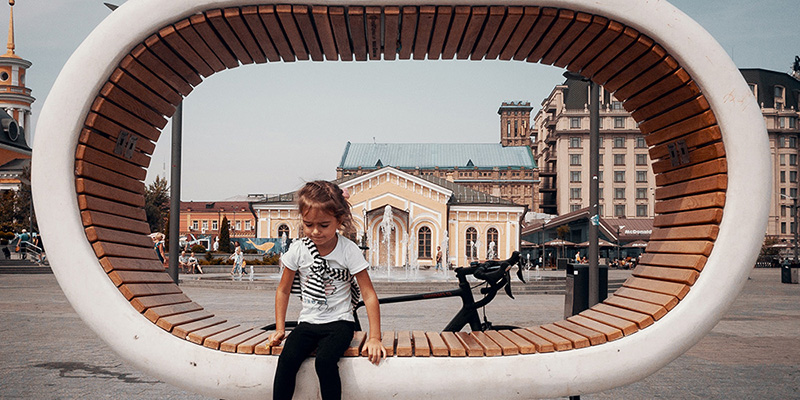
column 403, row 217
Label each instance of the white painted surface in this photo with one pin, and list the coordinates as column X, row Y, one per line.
column 223, row 375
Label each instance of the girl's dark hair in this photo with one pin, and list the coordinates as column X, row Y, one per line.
column 327, row 197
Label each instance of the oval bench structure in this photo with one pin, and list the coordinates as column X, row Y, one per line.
column 703, row 127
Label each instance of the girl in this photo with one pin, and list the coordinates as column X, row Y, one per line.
column 238, row 259
column 322, row 266
column 158, row 246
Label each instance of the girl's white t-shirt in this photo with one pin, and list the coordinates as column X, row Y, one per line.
column 336, row 306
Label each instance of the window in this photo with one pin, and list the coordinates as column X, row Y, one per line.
column 783, row 159
column 470, row 238
column 195, row 224
column 619, row 159
column 641, row 159
column 214, row 225
column 283, row 230
column 792, row 122
column 575, row 142
column 616, row 105
column 753, row 88
column 600, row 176
column 781, row 141
column 619, row 210
column 783, row 176
column 793, row 192
column 574, row 159
column 641, row 193
column 619, row 176
column 792, row 159
column 424, row 242
column 491, row 243
column 792, row 176
column 574, row 193
column 641, row 210
column 619, row 122
column 574, row 207
column 600, row 142
column 205, row 225
column 640, row 142
column 248, row 225
column 238, row 225
column 575, row 176
column 793, row 142
column 619, row 193
column 780, row 100
column 641, row 176
column 619, row 141
column 782, row 122
column 783, row 227
column 575, row 123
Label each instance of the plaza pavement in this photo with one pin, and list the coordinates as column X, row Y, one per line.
column 46, row 352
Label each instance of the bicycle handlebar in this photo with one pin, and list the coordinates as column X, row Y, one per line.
column 493, row 272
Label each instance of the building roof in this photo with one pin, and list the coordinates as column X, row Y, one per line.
column 431, row 155
column 766, row 81
column 215, row 206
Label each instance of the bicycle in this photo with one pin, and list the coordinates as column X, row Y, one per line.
column 495, row 275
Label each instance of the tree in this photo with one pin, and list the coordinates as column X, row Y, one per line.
column 15, row 207
column 224, row 236
column 156, row 204
column 562, row 231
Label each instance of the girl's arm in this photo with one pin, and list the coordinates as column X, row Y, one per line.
column 281, row 303
column 375, row 350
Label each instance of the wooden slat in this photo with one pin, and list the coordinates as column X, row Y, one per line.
column 424, row 30
column 324, row 32
column 678, row 290
column 546, row 17
column 651, row 59
column 154, row 313
column 97, row 189
column 171, row 36
column 131, row 264
column 696, row 156
column 107, row 176
column 438, row 347
column 133, row 105
column 391, row 22
column 214, row 341
column 107, row 143
column 663, row 78
column 594, row 336
column 507, row 346
column 490, row 348
column 148, row 289
column 513, row 15
column 693, row 261
column 529, row 17
column 91, row 203
column 231, row 344
column 523, row 346
column 559, row 343
column 200, row 335
column 668, row 101
column 358, row 33
column 708, row 168
column 557, row 28
column 696, row 139
column 110, row 161
column 577, row 341
column 706, row 200
column 388, row 342
column 120, row 277
column 248, row 346
column 542, row 346
column 653, row 310
column 457, row 26
column 472, row 31
column 264, row 347
column 284, row 13
column 96, row 218
column 143, row 303
column 678, row 275
column 610, row 53
column 703, row 247
column 404, row 348
column 454, row 346
column 471, row 345
column 374, row 32
column 702, row 232
column 226, row 34
column 577, row 25
column 341, row 33
column 233, row 16
column 253, row 21
column 668, row 117
column 421, row 346
column 183, row 330
column 270, row 21
column 610, row 332
column 607, row 37
column 408, row 28
column 166, row 55
column 95, row 234
column 193, row 38
column 168, row 323
column 627, row 327
column 440, row 27
column 149, row 60
column 667, row 301
column 640, row 319
column 103, row 249
column 592, row 33
column 676, row 130
column 131, row 66
column 145, row 94
column 619, row 66
column 707, row 216
column 354, row 348
column 489, row 32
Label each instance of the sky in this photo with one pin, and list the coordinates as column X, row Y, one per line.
column 270, row 128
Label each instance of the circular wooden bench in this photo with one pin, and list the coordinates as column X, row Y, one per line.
column 706, row 136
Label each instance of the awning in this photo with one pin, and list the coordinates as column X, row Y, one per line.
column 528, row 245
column 600, row 242
column 635, row 244
column 558, row 242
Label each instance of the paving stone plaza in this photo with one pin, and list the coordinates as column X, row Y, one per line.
column 47, row 352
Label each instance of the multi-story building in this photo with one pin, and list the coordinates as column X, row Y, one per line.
column 506, row 169
column 561, row 148
column 202, row 220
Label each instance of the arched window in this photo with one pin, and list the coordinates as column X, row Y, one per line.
column 492, row 244
column 470, row 238
column 283, row 230
column 424, row 242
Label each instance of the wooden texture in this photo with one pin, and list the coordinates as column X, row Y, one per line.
column 471, row 345
column 627, row 327
column 214, row 341
column 523, row 346
column 354, row 348
column 490, row 348
column 667, row 301
column 248, row 346
column 437, row 345
column 676, row 289
column 230, row 345
column 594, row 336
column 677, row 275
column 610, row 332
column 578, row 341
column 167, row 323
column 454, row 346
column 559, row 343
column 507, row 346
column 200, row 335
column 655, row 311
column 154, row 313
column 92, row 203
column 148, row 289
column 421, row 346
column 542, row 345
column 404, row 347
column 120, row 277
column 183, row 330
column 142, row 303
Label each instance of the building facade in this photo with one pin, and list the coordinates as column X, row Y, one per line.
column 201, row 221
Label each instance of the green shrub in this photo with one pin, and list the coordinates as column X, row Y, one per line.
column 198, row 248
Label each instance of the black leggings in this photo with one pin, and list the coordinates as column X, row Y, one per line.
column 330, row 340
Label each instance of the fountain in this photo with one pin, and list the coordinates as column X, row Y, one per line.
column 387, row 225
column 490, row 254
column 445, row 257
column 412, row 259
column 284, row 239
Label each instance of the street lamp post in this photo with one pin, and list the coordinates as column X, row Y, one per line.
column 619, row 240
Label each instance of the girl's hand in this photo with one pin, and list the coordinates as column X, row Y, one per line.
column 375, row 350
column 276, row 338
